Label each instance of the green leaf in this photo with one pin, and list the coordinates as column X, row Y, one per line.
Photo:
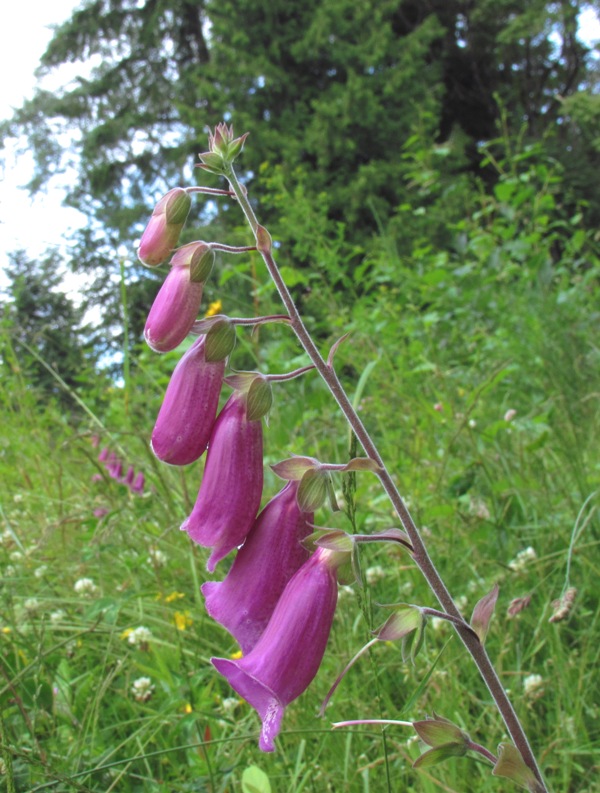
column 254, row 780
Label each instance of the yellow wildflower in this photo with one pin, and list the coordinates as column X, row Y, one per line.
column 6, row 629
column 126, row 633
column 214, row 308
column 174, row 596
column 182, row 620
column 236, row 655
column 187, row 708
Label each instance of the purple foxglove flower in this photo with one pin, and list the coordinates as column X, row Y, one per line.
column 128, row 478
column 245, row 600
column 286, row 658
column 174, row 311
column 231, row 487
column 104, row 453
column 138, row 483
column 189, row 409
column 162, row 232
column 115, row 469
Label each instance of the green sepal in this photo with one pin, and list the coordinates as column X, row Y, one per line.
column 178, row 207
column 404, row 619
column 331, row 495
column 312, row 490
column 294, row 467
column 212, row 162
column 259, row 398
column 220, row 341
column 439, row 754
column 438, row 731
column 201, row 264
column 335, row 540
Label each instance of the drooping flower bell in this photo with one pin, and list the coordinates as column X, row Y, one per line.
column 231, row 487
column 164, row 227
column 272, row 553
column 189, row 409
column 174, row 310
column 287, row 656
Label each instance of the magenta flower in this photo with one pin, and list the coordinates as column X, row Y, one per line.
column 231, row 487
column 287, row 656
column 162, row 232
column 244, row 601
column 174, row 310
column 128, row 478
column 189, row 409
column 137, row 485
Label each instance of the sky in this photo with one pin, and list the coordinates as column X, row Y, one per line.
column 36, row 224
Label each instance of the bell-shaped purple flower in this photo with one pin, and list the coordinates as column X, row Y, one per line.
column 231, row 487
column 174, row 310
column 189, row 409
column 287, row 656
column 138, row 483
column 162, row 232
column 244, row 601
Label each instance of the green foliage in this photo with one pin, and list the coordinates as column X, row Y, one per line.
column 473, row 358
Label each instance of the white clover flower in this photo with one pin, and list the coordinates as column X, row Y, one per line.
column 142, row 689
column 139, row 637
column 472, row 423
column 9, row 571
column 16, row 556
column 510, row 414
column 17, row 498
column 522, row 559
column 6, row 537
column 461, row 602
column 532, row 685
column 374, row 574
column 344, row 592
column 156, row 557
column 56, row 617
column 479, row 508
column 85, row 587
column 31, row 604
column 40, row 571
column 229, row 704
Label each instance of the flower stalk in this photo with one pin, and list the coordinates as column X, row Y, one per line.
column 419, row 550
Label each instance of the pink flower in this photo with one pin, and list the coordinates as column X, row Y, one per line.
column 174, row 310
column 189, row 409
column 137, row 485
column 162, row 232
column 231, row 487
column 272, row 553
column 287, row 656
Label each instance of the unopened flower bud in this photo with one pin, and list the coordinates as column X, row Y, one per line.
column 189, row 409
column 174, row 311
column 162, row 232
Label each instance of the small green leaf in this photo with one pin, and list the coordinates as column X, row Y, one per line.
column 439, row 754
column 512, row 766
column 220, row 341
column 255, row 781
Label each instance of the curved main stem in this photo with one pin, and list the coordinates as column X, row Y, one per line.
column 420, row 553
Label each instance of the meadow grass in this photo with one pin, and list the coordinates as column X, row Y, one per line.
column 437, row 356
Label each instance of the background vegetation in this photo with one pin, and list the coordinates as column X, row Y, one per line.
column 428, row 171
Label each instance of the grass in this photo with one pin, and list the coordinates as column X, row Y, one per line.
column 454, row 349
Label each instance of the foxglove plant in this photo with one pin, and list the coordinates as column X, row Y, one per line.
column 283, row 627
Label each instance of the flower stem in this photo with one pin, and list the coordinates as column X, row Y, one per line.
column 420, row 553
